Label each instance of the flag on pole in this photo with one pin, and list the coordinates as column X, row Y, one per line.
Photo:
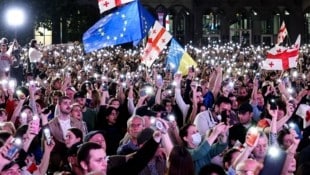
column 129, row 23
column 282, row 33
column 282, row 58
column 105, row 5
column 178, row 59
column 157, row 41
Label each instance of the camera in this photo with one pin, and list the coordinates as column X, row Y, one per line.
column 273, row 104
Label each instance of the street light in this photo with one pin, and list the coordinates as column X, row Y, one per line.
column 15, row 17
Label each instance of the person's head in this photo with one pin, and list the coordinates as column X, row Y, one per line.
column 92, row 157
column 111, row 115
column 285, row 139
column 260, row 99
column 55, row 96
column 11, row 169
column 96, row 137
column 199, row 96
column 70, row 91
column 3, row 115
column 190, row 136
column 135, row 125
column 242, row 92
column 212, row 169
column 56, row 84
column 245, row 113
column 9, row 127
column 4, row 47
column 73, row 136
column 72, row 156
column 248, row 167
column 223, row 104
column 229, row 157
column 79, row 98
column 64, row 105
column 234, row 102
column 26, row 111
column 33, row 43
column 114, row 102
column 76, row 111
column 180, row 162
column 260, row 151
column 167, row 103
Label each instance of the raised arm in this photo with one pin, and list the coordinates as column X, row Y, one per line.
column 218, row 80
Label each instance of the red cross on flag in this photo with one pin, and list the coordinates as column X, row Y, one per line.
column 304, row 112
column 282, row 58
column 157, row 41
column 105, row 5
column 282, row 33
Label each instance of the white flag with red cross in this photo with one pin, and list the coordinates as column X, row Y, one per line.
column 304, row 112
column 282, row 58
column 105, row 5
column 282, row 33
column 157, row 41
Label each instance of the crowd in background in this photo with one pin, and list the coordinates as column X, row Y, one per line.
column 66, row 112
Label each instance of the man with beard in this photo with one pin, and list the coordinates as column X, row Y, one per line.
column 58, row 127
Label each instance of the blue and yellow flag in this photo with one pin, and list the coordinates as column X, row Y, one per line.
column 178, row 59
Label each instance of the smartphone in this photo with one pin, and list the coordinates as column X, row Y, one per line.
column 251, row 136
column 224, row 117
column 36, row 124
column 274, row 161
column 47, row 135
column 15, row 148
column 159, row 80
column 273, row 104
column 105, row 86
column 297, row 130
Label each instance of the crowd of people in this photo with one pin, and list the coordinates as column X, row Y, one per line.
column 66, row 112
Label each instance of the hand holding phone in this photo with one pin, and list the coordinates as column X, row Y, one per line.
column 16, row 145
column 47, row 135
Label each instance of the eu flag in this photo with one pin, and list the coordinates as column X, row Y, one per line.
column 178, row 59
column 129, row 23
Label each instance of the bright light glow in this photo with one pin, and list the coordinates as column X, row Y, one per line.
column 15, row 16
column 274, row 152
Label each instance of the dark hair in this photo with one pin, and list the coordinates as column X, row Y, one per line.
column 77, row 132
column 221, row 100
column 83, row 152
column 109, row 111
column 281, row 136
column 228, row 155
column 26, row 107
column 180, row 162
column 303, row 169
column 32, row 43
column 184, row 131
column 212, row 168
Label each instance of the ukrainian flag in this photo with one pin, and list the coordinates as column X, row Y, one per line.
column 178, row 59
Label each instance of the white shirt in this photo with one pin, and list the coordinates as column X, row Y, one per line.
column 204, row 121
column 34, row 55
column 65, row 125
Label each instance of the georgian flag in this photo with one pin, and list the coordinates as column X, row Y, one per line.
column 105, row 5
column 303, row 111
column 157, row 41
column 282, row 33
column 282, row 58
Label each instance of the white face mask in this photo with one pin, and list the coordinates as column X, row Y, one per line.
column 196, row 139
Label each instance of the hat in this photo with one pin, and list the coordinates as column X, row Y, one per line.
column 245, row 107
column 79, row 95
column 89, row 135
column 145, row 135
column 145, row 111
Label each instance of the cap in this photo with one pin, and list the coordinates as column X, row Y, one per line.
column 145, row 135
column 145, row 111
column 89, row 135
column 79, row 95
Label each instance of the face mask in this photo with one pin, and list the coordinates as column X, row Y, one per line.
column 196, row 139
